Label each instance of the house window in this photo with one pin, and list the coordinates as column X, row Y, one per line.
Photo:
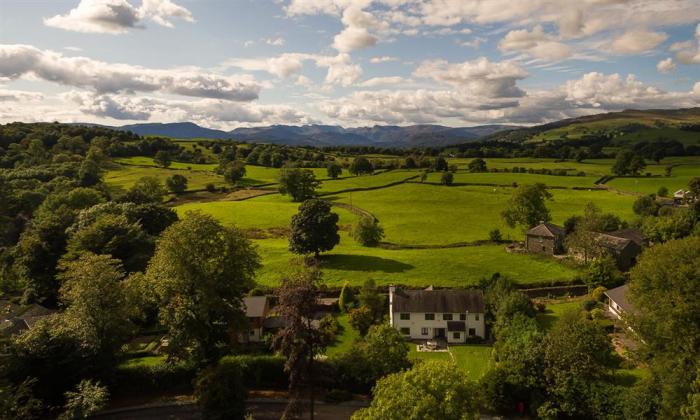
column 405, row 316
column 462, row 317
column 424, row 331
column 476, row 317
column 406, row 331
column 429, row 317
column 472, row 332
column 455, row 336
column 447, row 317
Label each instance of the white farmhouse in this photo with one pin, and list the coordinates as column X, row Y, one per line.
column 452, row 315
column 618, row 304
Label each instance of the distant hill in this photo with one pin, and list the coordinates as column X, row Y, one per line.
column 629, row 126
column 326, row 135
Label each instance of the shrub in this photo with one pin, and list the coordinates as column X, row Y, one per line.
column 368, row 232
column 137, row 380
column 598, row 293
column 89, row 398
column 540, row 306
column 495, row 235
column 220, row 391
column 335, row 396
column 447, row 178
column 589, row 304
column 597, row 313
column 210, row 187
column 662, row 192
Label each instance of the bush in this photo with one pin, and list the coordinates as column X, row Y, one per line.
column 662, row 192
column 540, row 306
column 210, row 187
column 495, row 235
column 220, row 391
column 335, row 396
column 137, row 380
column 597, row 313
column 447, row 178
column 589, row 304
column 367, row 232
column 260, row 371
column 598, row 293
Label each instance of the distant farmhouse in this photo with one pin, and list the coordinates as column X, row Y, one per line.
column 618, row 305
column 545, row 238
column 623, row 245
column 452, row 315
column 16, row 318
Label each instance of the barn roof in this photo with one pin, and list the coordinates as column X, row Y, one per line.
column 612, row 242
column 546, row 229
column 619, row 296
column 447, row 301
column 634, row 235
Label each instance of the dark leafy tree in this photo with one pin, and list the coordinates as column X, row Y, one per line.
column 300, row 184
column 368, row 232
column 299, row 341
column 234, row 171
column 477, row 165
column 361, row 319
column 333, row 170
column 440, row 164
column 176, row 183
column 220, row 391
column 147, row 189
column 447, row 178
column 646, row 206
column 314, row 229
column 361, row 166
column 527, row 207
column 628, row 162
column 163, row 158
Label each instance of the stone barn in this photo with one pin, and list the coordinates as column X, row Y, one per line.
column 545, row 238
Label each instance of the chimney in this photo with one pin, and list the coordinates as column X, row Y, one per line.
column 392, row 290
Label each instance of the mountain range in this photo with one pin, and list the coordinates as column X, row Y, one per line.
column 326, row 135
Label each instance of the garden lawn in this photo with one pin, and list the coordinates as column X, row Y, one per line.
column 263, row 212
column 474, row 359
column 345, row 339
column 555, row 310
column 427, row 214
column 451, row 267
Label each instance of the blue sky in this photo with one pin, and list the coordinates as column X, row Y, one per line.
column 233, row 63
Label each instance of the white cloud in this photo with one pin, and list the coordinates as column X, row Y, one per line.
column 353, row 38
column 277, row 42
column 688, row 52
column 637, row 41
column 382, row 59
column 666, row 66
column 24, row 60
column 341, row 70
column 10, row 95
column 383, row 81
column 117, row 16
column 479, row 77
column 535, row 43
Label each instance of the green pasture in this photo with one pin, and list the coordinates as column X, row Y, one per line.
column 683, row 171
column 124, row 176
column 147, row 161
column 364, row 181
column 267, row 211
column 593, row 167
column 507, row 178
column 415, row 213
column 450, row 267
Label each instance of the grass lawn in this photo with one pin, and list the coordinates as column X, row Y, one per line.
column 144, row 361
column 555, row 310
column 344, row 340
column 451, row 267
column 425, row 214
column 628, row 377
column 474, row 360
column 266, row 211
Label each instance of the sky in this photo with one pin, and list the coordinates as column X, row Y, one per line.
column 234, row 63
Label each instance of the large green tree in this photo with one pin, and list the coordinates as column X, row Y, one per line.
column 200, row 272
column 527, row 207
column 430, row 391
column 300, row 184
column 314, row 228
column 665, row 290
column 361, row 166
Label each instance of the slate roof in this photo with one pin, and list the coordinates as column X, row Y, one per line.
column 634, row 235
column 546, row 229
column 255, row 306
column 437, row 301
column 619, row 296
column 612, row 242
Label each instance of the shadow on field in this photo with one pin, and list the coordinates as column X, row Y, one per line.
column 364, row 263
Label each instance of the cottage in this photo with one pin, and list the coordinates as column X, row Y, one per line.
column 545, row 238
column 617, row 301
column 452, row 315
column 256, row 310
column 16, row 318
column 624, row 246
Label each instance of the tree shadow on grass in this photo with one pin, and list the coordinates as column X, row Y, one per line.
column 364, row 263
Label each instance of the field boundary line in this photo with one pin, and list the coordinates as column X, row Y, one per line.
column 378, row 187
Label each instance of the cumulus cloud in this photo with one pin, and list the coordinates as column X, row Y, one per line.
column 277, row 42
column 637, row 41
column 688, row 52
column 10, row 95
column 383, row 81
column 479, row 77
column 382, row 59
column 24, row 60
column 341, row 69
column 535, row 43
column 592, row 93
column 211, row 112
column 666, row 66
column 117, row 16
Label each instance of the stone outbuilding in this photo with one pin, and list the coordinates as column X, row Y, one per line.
column 545, row 238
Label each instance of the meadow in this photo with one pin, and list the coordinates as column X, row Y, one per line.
column 449, row 267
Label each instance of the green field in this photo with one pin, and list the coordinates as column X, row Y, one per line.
column 366, row 181
column 124, row 176
column 683, row 171
column 423, row 214
column 505, row 178
column 449, row 267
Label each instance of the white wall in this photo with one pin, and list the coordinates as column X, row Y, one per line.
column 418, row 321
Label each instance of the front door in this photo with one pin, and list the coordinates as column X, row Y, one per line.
column 439, row 333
